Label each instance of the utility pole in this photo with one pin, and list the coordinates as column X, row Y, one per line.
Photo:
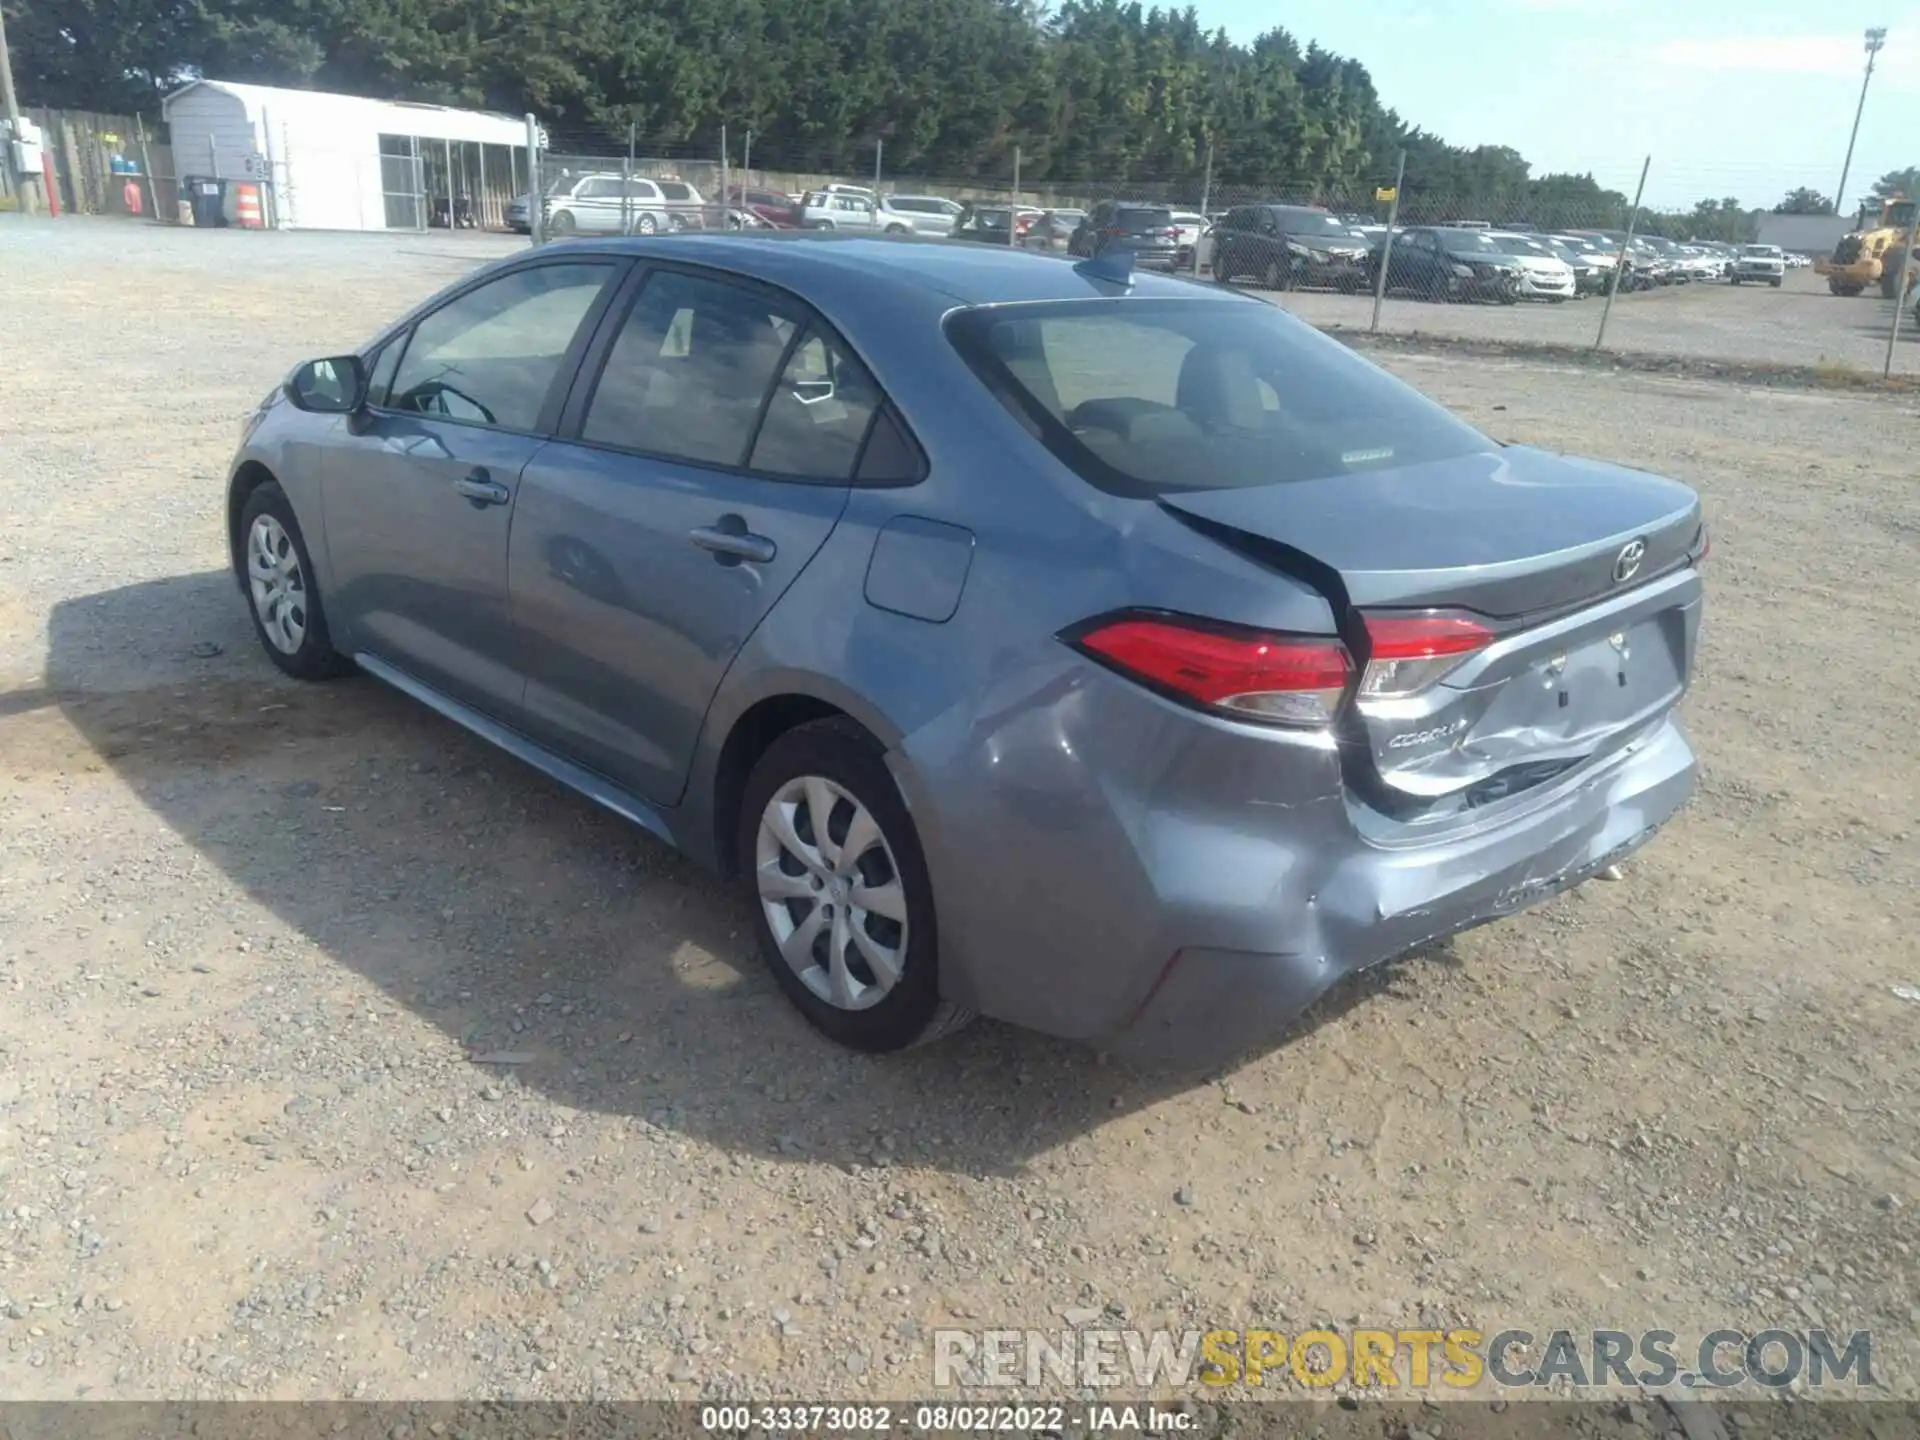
column 879, row 149
column 22, row 182
column 1620, row 259
column 1386, row 246
column 1876, row 42
column 1013, row 210
column 1206, row 198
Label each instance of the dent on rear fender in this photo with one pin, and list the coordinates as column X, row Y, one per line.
column 1081, row 830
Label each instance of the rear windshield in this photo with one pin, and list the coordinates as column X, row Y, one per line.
column 1762, row 252
column 1139, row 218
column 1152, row 397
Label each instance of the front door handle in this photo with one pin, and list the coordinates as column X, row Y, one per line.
column 732, row 541
column 482, row 489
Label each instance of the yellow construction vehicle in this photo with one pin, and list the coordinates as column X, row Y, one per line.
column 1860, row 259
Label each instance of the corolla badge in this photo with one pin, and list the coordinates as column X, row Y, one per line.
column 1627, row 563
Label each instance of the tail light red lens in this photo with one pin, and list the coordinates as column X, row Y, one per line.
column 1249, row 675
column 1410, row 652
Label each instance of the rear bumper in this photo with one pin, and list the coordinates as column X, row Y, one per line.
column 1213, row 1002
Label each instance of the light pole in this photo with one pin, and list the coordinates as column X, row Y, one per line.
column 1876, row 42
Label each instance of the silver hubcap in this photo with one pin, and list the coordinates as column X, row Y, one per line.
column 831, row 892
column 279, row 589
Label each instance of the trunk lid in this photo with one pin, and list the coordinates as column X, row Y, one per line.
column 1579, row 572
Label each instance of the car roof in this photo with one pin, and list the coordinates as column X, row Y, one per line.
column 862, row 269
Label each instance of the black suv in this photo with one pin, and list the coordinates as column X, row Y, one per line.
column 1282, row 246
column 1147, row 230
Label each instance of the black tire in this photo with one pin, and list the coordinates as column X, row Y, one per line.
column 646, row 225
column 1273, row 277
column 1775, row 284
column 912, row 1012
column 561, row 222
column 314, row 658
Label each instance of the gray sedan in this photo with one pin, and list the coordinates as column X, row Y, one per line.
column 1097, row 651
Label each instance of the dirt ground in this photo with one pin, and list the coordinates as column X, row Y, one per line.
column 252, row 933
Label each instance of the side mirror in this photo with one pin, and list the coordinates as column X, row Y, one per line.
column 335, row 386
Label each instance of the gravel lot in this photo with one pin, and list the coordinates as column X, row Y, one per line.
column 252, row 935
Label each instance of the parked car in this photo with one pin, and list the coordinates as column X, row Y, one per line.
column 776, row 208
column 1053, row 229
column 1143, row 228
column 1762, row 263
column 684, row 204
column 1189, row 227
column 1543, row 274
column 596, row 204
column 923, row 214
column 989, row 224
column 1593, row 263
column 848, row 209
column 1284, row 246
column 1440, row 262
column 1118, row 663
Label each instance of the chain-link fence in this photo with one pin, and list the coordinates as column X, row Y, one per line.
column 1566, row 264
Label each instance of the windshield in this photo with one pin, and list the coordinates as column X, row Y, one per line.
column 1313, row 222
column 1468, row 242
column 1519, row 245
column 1142, row 217
column 1764, row 252
column 1144, row 398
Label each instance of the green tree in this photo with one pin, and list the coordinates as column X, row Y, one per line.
column 1898, row 183
column 1804, row 202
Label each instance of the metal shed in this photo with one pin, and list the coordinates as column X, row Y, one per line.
column 341, row 162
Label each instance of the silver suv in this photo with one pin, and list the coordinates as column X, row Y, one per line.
column 924, row 214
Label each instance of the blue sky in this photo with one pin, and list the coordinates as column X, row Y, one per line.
column 1731, row 97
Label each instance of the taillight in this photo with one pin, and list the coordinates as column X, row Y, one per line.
column 1410, row 652
column 1114, row 230
column 1246, row 674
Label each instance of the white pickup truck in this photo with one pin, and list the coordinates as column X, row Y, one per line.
column 1759, row 263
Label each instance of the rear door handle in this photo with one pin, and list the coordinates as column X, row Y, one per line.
column 482, row 489
column 736, row 544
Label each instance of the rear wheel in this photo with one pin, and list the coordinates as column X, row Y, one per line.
column 1775, row 284
column 845, row 914
column 1275, row 276
column 646, row 225
column 561, row 222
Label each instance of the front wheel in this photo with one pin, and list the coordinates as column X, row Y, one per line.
column 1274, row 277
column 1774, row 283
column 845, row 915
column 282, row 594
column 561, row 222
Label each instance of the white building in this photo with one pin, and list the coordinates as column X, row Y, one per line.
column 340, row 162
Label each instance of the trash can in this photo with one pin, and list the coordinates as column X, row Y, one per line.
column 208, row 196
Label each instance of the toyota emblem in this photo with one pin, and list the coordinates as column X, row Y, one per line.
column 1627, row 563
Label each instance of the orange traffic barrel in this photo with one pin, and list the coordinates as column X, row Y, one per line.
column 246, row 206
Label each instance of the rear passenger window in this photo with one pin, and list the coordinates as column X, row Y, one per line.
column 819, row 414
column 690, row 370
